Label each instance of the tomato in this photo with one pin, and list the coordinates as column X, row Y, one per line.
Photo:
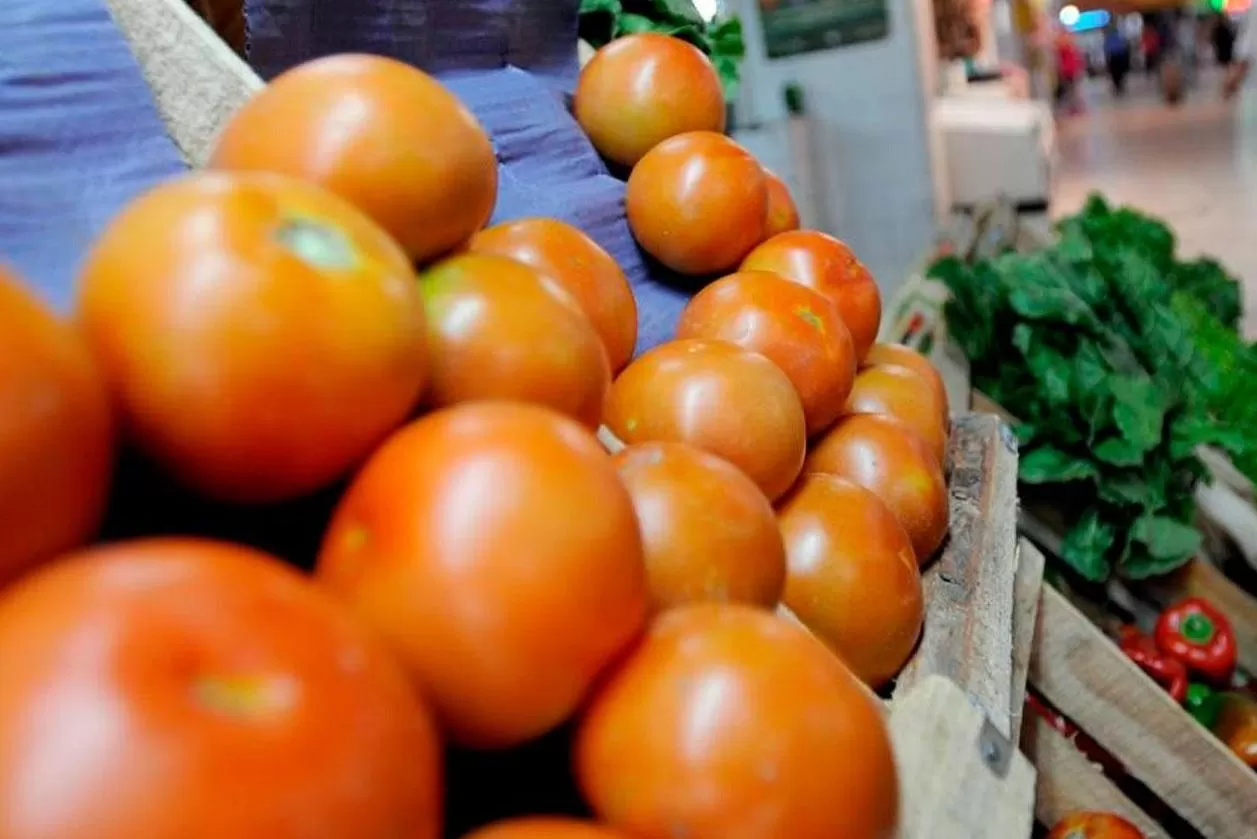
column 576, row 262
column 493, row 546
column 544, row 827
column 261, row 335
column 882, row 454
column 708, row 532
column 639, row 90
column 897, row 355
column 798, row 329
column 1090, row 825
column 698, row 203
column 500, row 329
column 717, row 397
column 908, row 397
column 56, row 434
column 728, row 722
column 783, row 215
column 177, row 687
column 852, row 578
column 380, row 133
column 825, row 264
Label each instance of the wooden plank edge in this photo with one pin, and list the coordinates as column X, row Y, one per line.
column 1027, row 589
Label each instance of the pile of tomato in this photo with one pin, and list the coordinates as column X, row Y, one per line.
column 695, row 563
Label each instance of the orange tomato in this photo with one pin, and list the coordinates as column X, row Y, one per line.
column 543, row 827
column 905, row 395
column 261, row 335
column 728, row 722
column 783, row 215
column 1089, row 825
column 380, row 133
column 568, row 256
column 883, row 455
column 176, row 687
column 852, row 578
column 897, row 355
column 825, row 264
column 500, row 329
column 798, row 329
column 698, row 203
column 1237, row 726
column 56, row 434
column 717, row 397
column 639, row 90
column 495, row 549
column 708, row 532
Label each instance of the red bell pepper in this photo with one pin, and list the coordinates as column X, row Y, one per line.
column 1194, row 632
column 1168, row 672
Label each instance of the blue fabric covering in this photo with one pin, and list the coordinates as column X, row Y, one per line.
column 79, row 136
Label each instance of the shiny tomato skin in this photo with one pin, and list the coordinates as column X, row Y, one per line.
column 545, row 827
column 728, row 722
column 718, row 397
column 897, row 355
column 57, row 431
column 383, row 135
column 495, row 550
column 883, row 455
column 853, row 578
column 698, row 203
column 641, row 89
column 795, row 327
column 708, row 532
column 1092, row 825
column 783, row 214
column 586, row 271
column 260, row 334
column 177, row 687
column 501, row 329
column 905, row 395
column 823, row 263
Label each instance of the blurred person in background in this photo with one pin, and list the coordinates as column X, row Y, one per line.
column 1241, row 59
column 1117, row 57
column 1071, row 65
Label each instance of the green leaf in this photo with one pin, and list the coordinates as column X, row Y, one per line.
column 1138, row 410
column 598, row 20
column 727, row 39
column 1086, row 546
column 678, row 11
column 1127, row 490
column 1047, row 465
column 1159, row 545
column 1119, row 451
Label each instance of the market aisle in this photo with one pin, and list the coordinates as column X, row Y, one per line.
column 1194, row 166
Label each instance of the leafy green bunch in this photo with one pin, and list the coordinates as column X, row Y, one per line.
column 602, row 21
column 1095, row 345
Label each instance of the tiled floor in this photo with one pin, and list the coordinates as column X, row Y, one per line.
column 1195, row 166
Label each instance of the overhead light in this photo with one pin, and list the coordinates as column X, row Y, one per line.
column 1069, row 15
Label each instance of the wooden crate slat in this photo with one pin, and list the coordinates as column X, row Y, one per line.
column 1092, row 682
column 969, row 588
column 1027, row 589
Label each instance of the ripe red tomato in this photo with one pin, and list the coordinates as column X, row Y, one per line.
column 1094, row 826
column 261, row 335
column 783, row 215
column 718, row 397
column 500, row 329
column 639, row 90
column 905, row 395
column 380, row 133
column 698, row 203
column 568, row 256
column 827, row 265
column 897, row 355
column 798, row 329
column 728, row 722
column 544, row 827
column 56, row 434
column 883, row 455
column 852, row 578
column 176, row 687
column 708, row 532
column 495, row 549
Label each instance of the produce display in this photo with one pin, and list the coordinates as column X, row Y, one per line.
column 686, row 569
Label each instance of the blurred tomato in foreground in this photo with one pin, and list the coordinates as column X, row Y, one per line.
column 783, row 215
column 728, row 722
column 1094, row 826
column 261, row 335
column 543, row 827
column 907, row 396
column 494, row 548
column 641, row 89
column 56, row 434
column 718, row 397
column 380, row 133
column 176, row 687
column 708, row 532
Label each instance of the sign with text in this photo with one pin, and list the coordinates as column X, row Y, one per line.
column 792, row 27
